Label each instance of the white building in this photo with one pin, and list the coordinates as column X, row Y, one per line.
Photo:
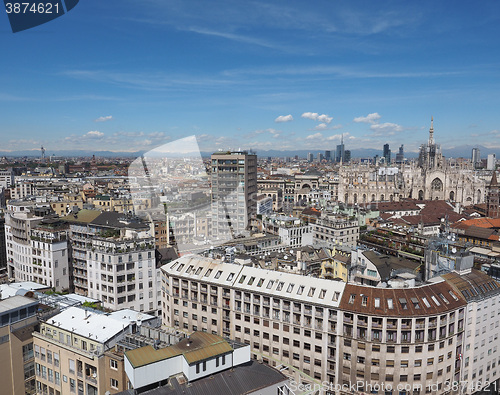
column 197, row 356
column 264, row 205
column 122, row 273
column 339, row 333
column 37, row 247
column 19, row 220
column 491, row 162
column 50, row 254
column 6, row 178
column 480, row 358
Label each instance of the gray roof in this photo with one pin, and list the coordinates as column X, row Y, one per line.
column 242, row 379
column 15, row 302
column 385, row 264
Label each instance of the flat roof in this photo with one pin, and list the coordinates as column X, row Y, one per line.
column 199, row 346
column 242, row 379
column 15, row 302
column 89, row 324
column 12, row 289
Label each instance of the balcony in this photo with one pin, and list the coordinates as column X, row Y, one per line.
column 92, row 379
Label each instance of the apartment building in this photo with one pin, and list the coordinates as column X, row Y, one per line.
column 17, row 322
column 114, row 260
column 37, row 246
column 336, row 230
column 50, row 254
column 480, row 359
column 122, row 273
column 20, row 219
column 286, row 318
column 411, row 337
column 74, row 351
column 233, row 179
column 334, row 332
column 6, row 178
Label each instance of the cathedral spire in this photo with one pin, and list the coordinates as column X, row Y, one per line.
column 431, row 132
column 494, row 182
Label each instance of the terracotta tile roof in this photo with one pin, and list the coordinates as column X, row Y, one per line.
column 403, row 205
column 479, row 222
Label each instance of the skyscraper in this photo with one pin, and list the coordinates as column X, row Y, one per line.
column 310, row 157
column 340, row 153
column 475, row 157
column 328, row 156
column 387, row 154
column 400, row 156
column 234, row 189
column 492, row 161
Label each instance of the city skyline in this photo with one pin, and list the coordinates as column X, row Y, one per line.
column 258, row 76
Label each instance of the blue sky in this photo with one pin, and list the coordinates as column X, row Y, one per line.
column 131, row 75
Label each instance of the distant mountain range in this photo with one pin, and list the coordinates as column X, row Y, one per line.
column 456, row 152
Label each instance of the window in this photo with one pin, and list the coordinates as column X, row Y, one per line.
column 113, row 364
column 71, row 366
column 114, row 383
column 377, row 302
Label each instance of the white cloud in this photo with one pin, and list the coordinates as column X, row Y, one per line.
column 273, row 132
column 324, row 126
column 104, row 119
column 324, row 118
column 94, row 134
column 317, row 117
column 370, row 118
column 386, row 129
column 314, row 136
column 129, row 134
column 284, row 118
column 321, row 126
column 347, row 136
